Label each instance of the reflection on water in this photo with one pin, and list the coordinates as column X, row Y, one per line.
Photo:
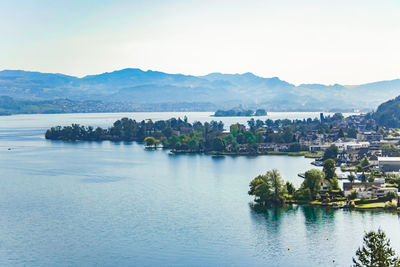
column 272, row 214
column 312, row 214
column 326, row 234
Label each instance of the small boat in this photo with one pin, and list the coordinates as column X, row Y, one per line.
column 317, row 163
column 217, row 156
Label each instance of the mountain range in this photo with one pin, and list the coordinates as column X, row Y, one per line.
column 215, row 90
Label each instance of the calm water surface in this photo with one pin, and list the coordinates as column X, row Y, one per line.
column 85, row 204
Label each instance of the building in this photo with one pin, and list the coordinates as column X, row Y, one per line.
column 381, row 192
column 351, row 145
column 389, row 164
column 325, row 185
column 314, row 148
column 369, row 136
column 368, row 190
column 373, row 160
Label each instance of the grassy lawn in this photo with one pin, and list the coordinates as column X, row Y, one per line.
column 348, row 168
column 371, row 205
column 295, row 154
column 338, row 203
column 313, row 155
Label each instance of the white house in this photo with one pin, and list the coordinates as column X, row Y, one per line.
column 351, row 145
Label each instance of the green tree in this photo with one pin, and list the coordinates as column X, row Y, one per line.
column 168, row 132
column 287, row 135
column 351, row 178
column 290, row 188
column 151, row 141
column 364, row 162
column 376, row 251
column 250, row 137
column 341, row 133
column 313, row 180
column 303, row 194
column 252, row 124
column 363, row 177
column 294, row 147
column 234, row 129
column 338, row 116
column 371, row 178
column 231, row 143
column 268, row 189
column 353, row 194
column 331, row 153
column 218, row 144
column 260, row 188
column 352, row 133
column 334, row 184
column 391, row 195
column 252, row 148
column 329, row 168
column 278, row 188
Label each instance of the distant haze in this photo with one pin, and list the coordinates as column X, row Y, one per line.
column 309, row 41
column 177, row 92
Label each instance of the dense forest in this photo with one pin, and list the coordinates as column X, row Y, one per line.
column 388, row 113
column 181, row 136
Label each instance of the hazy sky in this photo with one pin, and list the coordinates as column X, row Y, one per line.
column 304, row 41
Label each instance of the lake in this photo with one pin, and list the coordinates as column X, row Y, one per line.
column 117, row 204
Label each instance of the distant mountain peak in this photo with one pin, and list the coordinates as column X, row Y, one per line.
column 31, row 73
column 249, row 74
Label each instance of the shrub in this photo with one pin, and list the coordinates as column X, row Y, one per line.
column 303, row 194
column 390, row 205
column 353, row 195
column 391, row 195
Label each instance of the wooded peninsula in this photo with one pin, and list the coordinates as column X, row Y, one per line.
column 260, row 137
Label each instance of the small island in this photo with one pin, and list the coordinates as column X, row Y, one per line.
column 240, row 113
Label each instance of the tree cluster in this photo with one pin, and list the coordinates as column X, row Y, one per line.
column 270, row 190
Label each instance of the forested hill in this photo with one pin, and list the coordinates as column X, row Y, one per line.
column 388, row 113
column 222, row 91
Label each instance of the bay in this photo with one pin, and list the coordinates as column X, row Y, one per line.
column 117, row 204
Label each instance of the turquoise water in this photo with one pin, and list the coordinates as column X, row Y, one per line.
column 117, row 204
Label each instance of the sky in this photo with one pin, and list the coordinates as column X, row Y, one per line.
column 303, row 41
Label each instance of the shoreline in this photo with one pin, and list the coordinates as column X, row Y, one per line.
column 268, row 153
column 328, row 206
